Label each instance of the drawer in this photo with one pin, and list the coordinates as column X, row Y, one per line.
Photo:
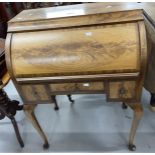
column 63, row 87
column 73, row 87
column 32, row 93
column 119, row 90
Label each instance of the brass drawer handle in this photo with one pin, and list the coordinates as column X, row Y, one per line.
column 86, row 84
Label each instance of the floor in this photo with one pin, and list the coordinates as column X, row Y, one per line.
column 89, row 125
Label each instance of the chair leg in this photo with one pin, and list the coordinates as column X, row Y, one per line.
column 70, row 98
column 55, row 102
column 138, row 111
column 14, row 123
column 152, row 102
column 29, row 112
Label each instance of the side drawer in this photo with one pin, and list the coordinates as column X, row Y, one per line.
column 76, row 87
column 121, row 90
column 33, row 93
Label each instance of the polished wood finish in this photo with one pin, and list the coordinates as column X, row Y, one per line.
column 138, row 111
column 88, row 57
column 64, row 16
column 122, row 90
column 73, row 10
column 29, row 112
column 65, row 22
column 33, row 93
column 77, row 86
column 49, row 55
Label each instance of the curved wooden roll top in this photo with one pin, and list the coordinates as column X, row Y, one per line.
column 86, row 45
column 91, row 50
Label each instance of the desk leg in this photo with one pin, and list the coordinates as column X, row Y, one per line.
column 70, row 98
column 55, row 102
column 138, row 111
column 29, row 112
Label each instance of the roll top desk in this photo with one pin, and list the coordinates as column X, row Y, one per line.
column 78, row 49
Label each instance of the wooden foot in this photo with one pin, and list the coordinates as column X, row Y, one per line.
column 138, row 111
column 55, row 102
column 14, row 123
column 132, row 147
column 124, row 106
column 29, row 112
column 70, row 98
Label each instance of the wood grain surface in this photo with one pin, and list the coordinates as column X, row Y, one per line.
column 73, row 10
column 94, row 49
column 122, row 90
column 77, row 86
column 96, row 19
column 77, row 51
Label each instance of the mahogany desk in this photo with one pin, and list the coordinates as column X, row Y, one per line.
column 78, row 49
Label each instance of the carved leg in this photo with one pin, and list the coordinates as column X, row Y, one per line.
column 70, row 98
column 14, row 123
column 9, row 108
column 55, row 102
column 29, row 112
column 138, row 111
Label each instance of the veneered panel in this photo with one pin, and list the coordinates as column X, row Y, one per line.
column 76, row 51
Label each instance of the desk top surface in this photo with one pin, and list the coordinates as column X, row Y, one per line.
column 73, row 10
column 83, row 9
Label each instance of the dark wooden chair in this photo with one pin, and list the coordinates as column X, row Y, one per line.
column 8, row 107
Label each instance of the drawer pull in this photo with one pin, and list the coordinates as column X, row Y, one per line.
column 122, row 91
column 86, row 84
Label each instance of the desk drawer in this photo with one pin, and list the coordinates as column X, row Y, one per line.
column 32, row 93
column 73, row 87
column 121, row 90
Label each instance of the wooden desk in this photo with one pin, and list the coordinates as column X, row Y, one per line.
column 78, row 49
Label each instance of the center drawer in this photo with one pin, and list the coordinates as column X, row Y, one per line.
column 86, row 86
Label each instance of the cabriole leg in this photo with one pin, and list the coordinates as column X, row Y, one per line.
column 29, row 112
column 138, row 111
